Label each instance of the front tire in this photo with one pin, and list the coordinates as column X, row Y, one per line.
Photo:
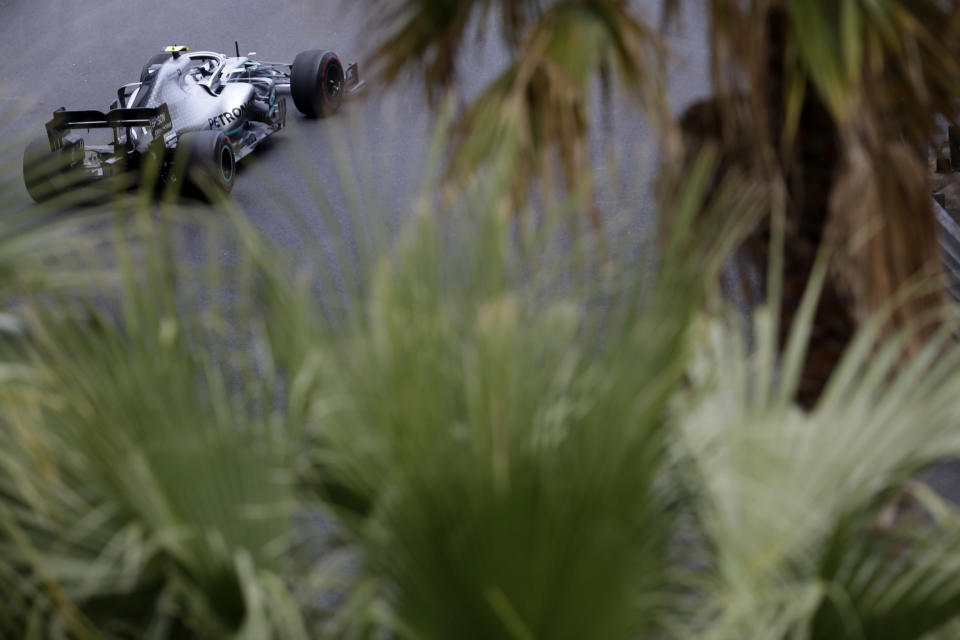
column 317, row 83
column 209, row 163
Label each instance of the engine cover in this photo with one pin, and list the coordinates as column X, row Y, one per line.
column 193, row 105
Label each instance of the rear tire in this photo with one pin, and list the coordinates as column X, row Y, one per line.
column 45, row 171
column 209, row 163
column 158, row 58
column 317, row 83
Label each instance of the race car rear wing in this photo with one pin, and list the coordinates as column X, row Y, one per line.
column 156, row 119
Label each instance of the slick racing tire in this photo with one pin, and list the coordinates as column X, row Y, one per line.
column 317, row 83
column 209, row 163
column 45, row 172
column 159, row 58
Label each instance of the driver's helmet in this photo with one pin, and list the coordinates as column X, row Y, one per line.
column 204, row 70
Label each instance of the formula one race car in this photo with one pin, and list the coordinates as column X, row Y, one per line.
column 190, row 119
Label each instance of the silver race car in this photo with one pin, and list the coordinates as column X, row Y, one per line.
column 189, row 120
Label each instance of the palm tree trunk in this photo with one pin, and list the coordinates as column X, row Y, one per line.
column 867, row 195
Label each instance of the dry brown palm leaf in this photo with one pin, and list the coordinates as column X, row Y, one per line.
column 536, row 112
column 885, row 234
column 426, row 36
column 532, row 121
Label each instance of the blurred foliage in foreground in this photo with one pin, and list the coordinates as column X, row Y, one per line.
column 471, row 433
column 484, row 425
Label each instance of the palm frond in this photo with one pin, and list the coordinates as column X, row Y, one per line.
column 135, row 415
column 789, row 500
column 867, row 57
column 538, row 109
column 512, row 473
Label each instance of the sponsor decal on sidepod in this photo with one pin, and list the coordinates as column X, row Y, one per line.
column 227, row 117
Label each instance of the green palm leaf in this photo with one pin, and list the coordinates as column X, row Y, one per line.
column 141, row 493
column 790, row 500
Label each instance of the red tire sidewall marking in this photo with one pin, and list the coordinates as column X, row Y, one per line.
column 323, row 78
column 221, row 143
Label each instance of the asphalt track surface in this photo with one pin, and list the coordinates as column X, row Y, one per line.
column 75, row 53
